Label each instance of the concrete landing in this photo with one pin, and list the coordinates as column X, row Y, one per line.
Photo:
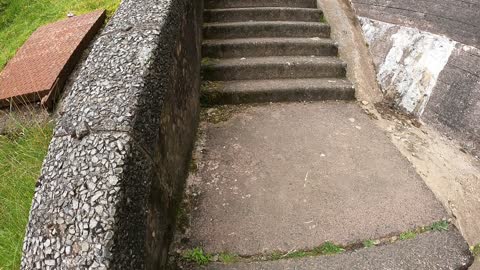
column 446, row 250
column 292, row 176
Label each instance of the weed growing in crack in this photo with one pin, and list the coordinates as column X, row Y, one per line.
column 227, row 258
column 407, row 235
column 439, row 226
column 197, row 255
column 368, row 243
column 297, row 254
column 276, row 255
column 476, row 250
column 329, row 248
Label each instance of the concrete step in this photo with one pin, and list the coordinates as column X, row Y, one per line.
column 265, row 29
column 261, row 91
column 248, row 47
column 263, row 14
column 430, row 251
column 211, row 4
column 283, row 67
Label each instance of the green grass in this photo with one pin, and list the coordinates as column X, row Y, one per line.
column 227, row 258
column 329, row 248
column 197, row 255
column 23, row 147
column 439, row 226
column 407, row 235
column 476, row 250
column 368, row 243
column 20, row 18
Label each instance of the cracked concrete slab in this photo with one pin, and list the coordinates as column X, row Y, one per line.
column 292, row 176
column 446, row 250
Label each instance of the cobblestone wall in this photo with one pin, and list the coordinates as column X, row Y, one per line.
column 110, row 183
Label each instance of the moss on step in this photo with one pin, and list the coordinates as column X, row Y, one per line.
column 220, row 114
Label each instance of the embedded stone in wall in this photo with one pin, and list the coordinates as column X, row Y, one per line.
column 408, row 61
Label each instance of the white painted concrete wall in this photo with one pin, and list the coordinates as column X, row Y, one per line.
column 410, row 61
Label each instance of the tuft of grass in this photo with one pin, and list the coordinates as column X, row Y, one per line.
column 297, row 254
column 227, row 258
column 197, row 255
column 329, row 248
column 276, row 255
column 23, row 146
column 368, row 243
column 476, row 250
column 20, row 18
column 407, row 235
column 439, row 226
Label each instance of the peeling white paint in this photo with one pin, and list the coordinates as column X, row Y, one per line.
column 411, row 64
column 373, row 29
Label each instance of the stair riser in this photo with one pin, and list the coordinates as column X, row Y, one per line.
column 266, row 31
column 252, row 50
column 212, row 97
column 210, row 4
column 262, row 15
column 258, row 72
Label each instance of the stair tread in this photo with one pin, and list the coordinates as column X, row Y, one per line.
column 273, row 40
column 276, row 60
column 263, row 14
column 263, row 8
column 257, row 3
column 247, row 23
column 281, row 84
column 276, row 90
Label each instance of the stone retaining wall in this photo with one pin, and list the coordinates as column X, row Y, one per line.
column 111, row 181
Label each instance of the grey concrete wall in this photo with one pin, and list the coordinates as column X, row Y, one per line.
column 458, row 19
column 454, row 106
column 412, row 39
column 115, row 169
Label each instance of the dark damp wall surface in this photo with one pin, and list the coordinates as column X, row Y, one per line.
column 457, row 19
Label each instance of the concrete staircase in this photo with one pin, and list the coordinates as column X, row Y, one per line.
column 281, row 184
column 265, row 51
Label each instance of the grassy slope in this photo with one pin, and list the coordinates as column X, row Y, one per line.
column 22, row 153
column 21, row 156
column 19, row 18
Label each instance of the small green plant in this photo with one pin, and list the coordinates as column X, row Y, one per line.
column 476, row 250
column 197, row 255
column 206, row 61
column 368, row 243
column 297, row 254
column 439, row 226
column 193, row 168
column 227, row 258
column 329, row 248
column 407, row 235
column 276, row 255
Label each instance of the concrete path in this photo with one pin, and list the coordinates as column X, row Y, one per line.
column 292, row 176
column 287, row 178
